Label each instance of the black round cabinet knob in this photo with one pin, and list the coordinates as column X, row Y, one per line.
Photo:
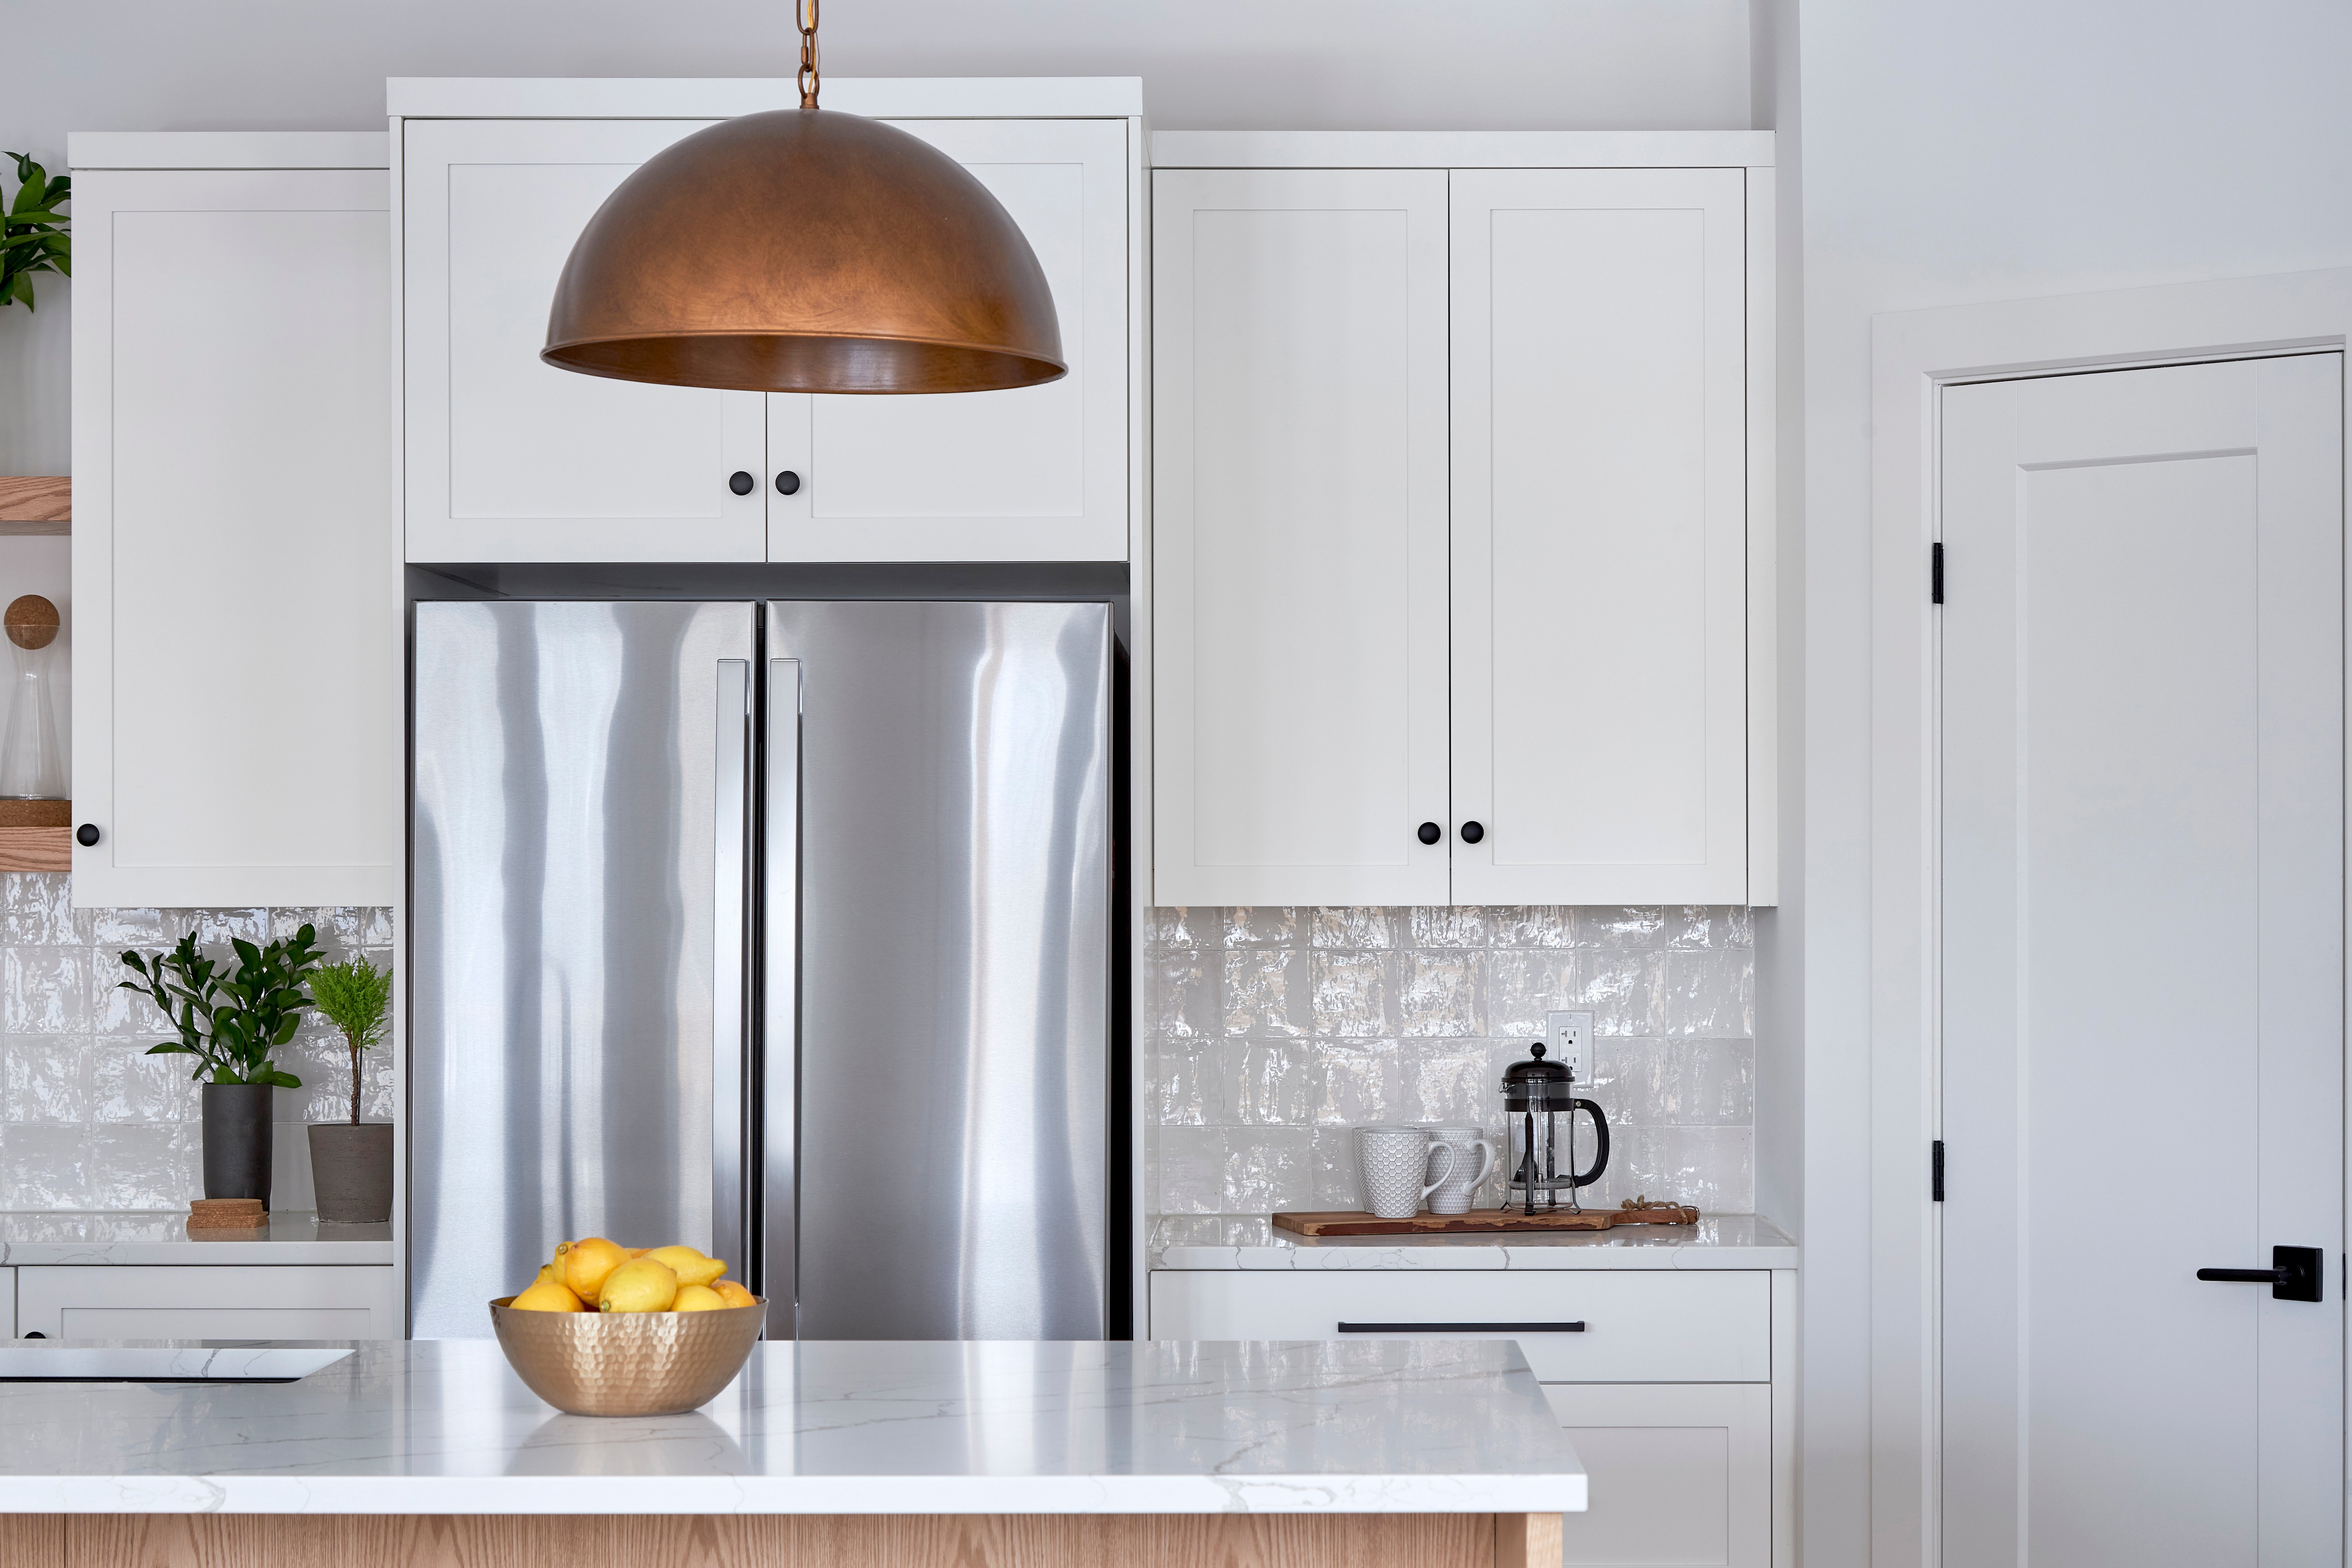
column 741, row 482
column 1430, row 833
column 36, row 1334
column 86, row 835
column 1471, row 832
column 788, row 483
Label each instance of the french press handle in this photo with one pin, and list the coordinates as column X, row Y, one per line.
column 1600, row 1134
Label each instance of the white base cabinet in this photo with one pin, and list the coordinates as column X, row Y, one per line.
column 7, row 1303
column 196, row 1301
column 1680, row 1473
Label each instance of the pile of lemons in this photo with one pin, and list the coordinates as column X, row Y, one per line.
column 617, row 1278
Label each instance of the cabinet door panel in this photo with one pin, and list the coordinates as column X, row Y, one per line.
column 1681, row 1474
column 184, row 1302
column 1035, row 473
column 1599, row 531
column 237, row 718
column 510, row 458
column 1299, row 522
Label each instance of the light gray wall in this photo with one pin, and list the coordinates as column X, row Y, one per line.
column 2002, row 149
column 165, row 65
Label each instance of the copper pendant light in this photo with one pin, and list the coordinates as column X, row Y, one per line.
column 800, row 250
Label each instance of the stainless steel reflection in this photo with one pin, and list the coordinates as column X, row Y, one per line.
column 731, row 812
column 779, row 1038
column 953, row 991
column 563, row 943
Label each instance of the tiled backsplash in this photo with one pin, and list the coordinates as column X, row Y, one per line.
column 87, row 1120
column 1274, row 1030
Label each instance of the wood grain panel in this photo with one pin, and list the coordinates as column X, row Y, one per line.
column 43, row 505
column 36, row 849
column 953, row 1540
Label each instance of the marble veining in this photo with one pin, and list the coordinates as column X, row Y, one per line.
column 985, row 1426
column 100, row 1237
column 1248, row 1242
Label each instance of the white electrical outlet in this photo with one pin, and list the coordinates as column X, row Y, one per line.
column 1568, row 1037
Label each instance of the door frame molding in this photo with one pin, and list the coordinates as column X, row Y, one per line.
column 1914, row 355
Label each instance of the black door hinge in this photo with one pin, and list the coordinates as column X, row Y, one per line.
column 1936, row 1172
column 1936, row 572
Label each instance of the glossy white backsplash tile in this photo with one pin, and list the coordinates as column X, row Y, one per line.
column 1274, row 1030
column 87, row 1120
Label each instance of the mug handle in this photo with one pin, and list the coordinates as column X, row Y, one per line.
column 1486, row 1161
column 1446, row 1150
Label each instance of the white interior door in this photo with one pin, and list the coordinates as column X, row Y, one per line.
column 510, row 458
column 237, row 722
column 1031, row 473
column 2143, row 965
column 1600, row 536
column 1298, row 474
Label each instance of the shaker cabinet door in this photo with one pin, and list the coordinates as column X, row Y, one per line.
column 1031, row 473
column 1300, row 515
column 511, row 459
column 1599, row 511
column 236, row 735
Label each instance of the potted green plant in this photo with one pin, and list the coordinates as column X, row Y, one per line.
column 351, row 1163
column 33, row 233
column 232, row 1024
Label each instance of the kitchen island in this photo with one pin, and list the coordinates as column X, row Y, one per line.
column 1374, row 1453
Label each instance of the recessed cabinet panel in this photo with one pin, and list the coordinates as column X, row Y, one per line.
column 1299, row 523
column 1680, row 1474
column 1032, row 473
column 512, row 459
column 1599, row 531
column 236, row 721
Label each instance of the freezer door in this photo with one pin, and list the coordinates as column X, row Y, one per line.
column 578, row 933
column 952, row 873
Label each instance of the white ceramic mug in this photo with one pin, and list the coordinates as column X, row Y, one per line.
column 1390, row 1161
column 1451, row 1194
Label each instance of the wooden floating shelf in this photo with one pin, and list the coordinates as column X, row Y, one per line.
column 39, row 505
column 35, row 836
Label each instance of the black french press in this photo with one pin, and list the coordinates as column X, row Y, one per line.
column 1535, row 1092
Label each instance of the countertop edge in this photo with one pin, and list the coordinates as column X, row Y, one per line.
column 1452, row 1258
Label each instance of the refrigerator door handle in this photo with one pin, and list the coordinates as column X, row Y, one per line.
column 779, row 1047
column 729, row 1060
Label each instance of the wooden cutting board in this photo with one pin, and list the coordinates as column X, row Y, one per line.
column 1355, row 1222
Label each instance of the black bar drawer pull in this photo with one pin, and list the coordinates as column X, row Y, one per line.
column 1574, row 1328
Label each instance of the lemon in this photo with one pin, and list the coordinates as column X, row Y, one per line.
column 547, row 1296
column 690, row 1267
column 733, row 1295
column 583, row 1265
column 697, row 1298
column 640, row 1285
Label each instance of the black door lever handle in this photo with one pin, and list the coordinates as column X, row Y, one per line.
column 2294, row 1275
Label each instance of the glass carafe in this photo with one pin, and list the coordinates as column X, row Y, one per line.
column 32, row 763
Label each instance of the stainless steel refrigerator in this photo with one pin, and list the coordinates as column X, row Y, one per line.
column 782, row 930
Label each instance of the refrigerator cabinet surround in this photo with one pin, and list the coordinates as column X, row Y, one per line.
column 904, row 1098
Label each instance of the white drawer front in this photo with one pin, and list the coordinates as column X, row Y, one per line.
column 1638, row 1327
column 206, row 1301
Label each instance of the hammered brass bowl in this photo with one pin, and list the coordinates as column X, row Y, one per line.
column 628, row 1363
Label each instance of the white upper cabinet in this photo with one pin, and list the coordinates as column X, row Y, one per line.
column 1460, row 519
column 1300, row 516
column 236, row 575
column 1600, row 536
column 510, row 459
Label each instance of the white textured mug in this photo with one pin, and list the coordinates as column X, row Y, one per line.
column 1451, row 1194
column 1391, row 1160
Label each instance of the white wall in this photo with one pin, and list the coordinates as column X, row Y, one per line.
column 2001, row 149
column 165, row 65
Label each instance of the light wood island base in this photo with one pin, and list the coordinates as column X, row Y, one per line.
column 783, row 1541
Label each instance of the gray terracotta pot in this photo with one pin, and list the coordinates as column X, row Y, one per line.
column 350, row 1168
column 236, row 1140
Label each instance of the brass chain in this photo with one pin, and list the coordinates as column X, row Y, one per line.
column 806, row 12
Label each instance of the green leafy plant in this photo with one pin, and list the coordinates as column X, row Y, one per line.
column 231, row 1024
column 356, row 998
column 32, row 236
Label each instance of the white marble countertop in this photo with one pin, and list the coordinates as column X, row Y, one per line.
column 31, row 1240
column 1239, row 1241
column 444, row 1426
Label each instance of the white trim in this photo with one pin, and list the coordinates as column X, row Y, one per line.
column 1138, row 1109
column 1461, row 149
column 227, row 150
column 1763, row 543
column 711, row 97
column 1914, row 354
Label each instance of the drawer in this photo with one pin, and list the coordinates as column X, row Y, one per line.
column 1713, row 1326
column 206, row 1301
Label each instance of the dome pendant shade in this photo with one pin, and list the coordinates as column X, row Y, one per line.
column 803, row 250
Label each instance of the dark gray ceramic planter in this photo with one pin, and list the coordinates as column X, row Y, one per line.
column 236, row 1140
column 350, row 1168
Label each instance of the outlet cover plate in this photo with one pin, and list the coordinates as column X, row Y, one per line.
column 1568, row 1037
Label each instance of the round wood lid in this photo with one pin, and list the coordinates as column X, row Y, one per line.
column 32, row 621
